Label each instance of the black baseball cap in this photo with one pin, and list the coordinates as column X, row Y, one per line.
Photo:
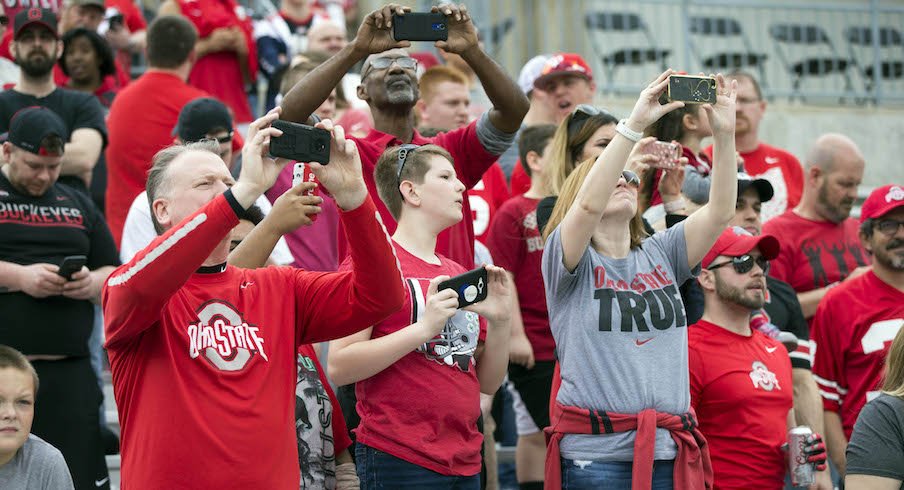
column 199, row 117
column 29, row 126
column 34, row 15
column 763, row 187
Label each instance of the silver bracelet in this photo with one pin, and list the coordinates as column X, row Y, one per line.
column 623, row 129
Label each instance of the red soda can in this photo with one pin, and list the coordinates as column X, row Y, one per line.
column 302, row 173
column 802, row 472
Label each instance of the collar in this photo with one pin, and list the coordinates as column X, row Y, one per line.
column 386, row 140
column 211, row 269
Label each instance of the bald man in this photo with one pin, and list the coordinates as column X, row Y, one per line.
column 326, row 36
column 820, row 242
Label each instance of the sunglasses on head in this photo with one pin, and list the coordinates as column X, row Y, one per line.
column 582, row 113
column 405, row 62
column 744, row 263
column 404, row 152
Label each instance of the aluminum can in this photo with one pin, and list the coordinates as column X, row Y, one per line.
column 802, row 472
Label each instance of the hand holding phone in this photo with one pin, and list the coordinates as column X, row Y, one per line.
column 300, row 142
column 470, row 286
column 71, row 265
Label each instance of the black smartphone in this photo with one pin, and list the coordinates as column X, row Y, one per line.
column 71, row 265
column 300, row 142
column 470, row 286
column 692, row 89
column 420, row 26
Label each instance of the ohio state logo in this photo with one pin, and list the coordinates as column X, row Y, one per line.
column 763, row 378
column 223, row 337
column 894, row 194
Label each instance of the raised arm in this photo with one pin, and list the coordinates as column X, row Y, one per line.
column 585, row 213
column 510, row 105
column 703, row 227
column 374, row 36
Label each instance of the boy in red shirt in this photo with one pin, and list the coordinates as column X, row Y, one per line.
column 204, row 354
column 420, row 372
column 740, row 379
column 856, row 321
column 516, row 244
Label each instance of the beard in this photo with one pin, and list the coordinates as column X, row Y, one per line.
column 398, row 93
column 837, row 212
column 34, row 67
column 738, row 296
column 885, row 256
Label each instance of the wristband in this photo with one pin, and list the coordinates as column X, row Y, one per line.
column 672, row 206
column 623, row 129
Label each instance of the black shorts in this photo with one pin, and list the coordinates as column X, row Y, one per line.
column 534, row 386
column 67, row 416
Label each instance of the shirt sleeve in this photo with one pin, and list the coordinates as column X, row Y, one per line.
column 56, row 474
column 90, row 114
column 505, row 240
column 877, row 443
column 558, row 281
column 827, row 356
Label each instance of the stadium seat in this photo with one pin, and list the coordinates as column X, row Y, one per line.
column 860, row 46
column 823, row 59
column 733, row 49
column 627, row 25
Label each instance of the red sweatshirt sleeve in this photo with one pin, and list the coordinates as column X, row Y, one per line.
column 337, row 304
column 136, row 292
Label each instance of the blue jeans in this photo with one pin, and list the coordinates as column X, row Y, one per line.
column 611, row 475
column 379, row 470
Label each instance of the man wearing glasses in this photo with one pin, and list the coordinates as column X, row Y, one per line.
column 740, row 378
column 857, row 320
column 389, row 86
column 201, row 119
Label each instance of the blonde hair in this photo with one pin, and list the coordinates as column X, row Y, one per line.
column 569, row 193
column 565, row 149
column 430, row 80
column 894, row 367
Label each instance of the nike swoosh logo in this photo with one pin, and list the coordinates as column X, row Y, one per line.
column 642, row 342
column 771, row 349
column 771, row 160
column 245, row 285
column 100, row 483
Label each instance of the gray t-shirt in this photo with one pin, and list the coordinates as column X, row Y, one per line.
column 37, row 466
column 877, row 443
column 621, row 337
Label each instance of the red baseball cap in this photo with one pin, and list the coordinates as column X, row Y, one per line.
column 881, row 201
column 563, row 64
column 736, row 241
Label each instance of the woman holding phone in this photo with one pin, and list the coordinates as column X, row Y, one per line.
column 617, row 317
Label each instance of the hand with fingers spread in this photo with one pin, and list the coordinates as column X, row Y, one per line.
column 722, row 114
column 441, row 306
column 462, row 33
column 375, row 34
column 647, row 109
column 497, row 307
column 343, row 177
column 293, row 209
column 259, row 169
column 41, row 280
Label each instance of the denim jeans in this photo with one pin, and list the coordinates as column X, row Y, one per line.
column 611, row 475
column 379, row 470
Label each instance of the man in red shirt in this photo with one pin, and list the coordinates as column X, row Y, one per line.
column 389, row 86
column 740, row 379
column 204, row 354
column 856, row 321
column 820, row 246
column 762, row 161
column 143, row 115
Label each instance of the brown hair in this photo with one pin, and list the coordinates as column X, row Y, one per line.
column 11, row 358
column 416, row 166
column 534, row 139
column 170, row 39
column 565, row 148
column 894, row 367
column 430, row 80
column 158, row 183
column 569, row 193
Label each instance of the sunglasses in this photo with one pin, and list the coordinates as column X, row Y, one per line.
column 222, row 139
column 404, row 152
column 631, row 178
column 744, row 263
column 889, row 227
column 582, row 113
column 405, row 62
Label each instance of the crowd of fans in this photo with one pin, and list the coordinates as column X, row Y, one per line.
column 647, row 324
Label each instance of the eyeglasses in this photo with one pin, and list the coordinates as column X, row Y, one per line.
column 221, row 139
column 582, row 113
column 404, row 151
column 404, row 62
column 631, row 178
column 744, row 263
column 889, row 227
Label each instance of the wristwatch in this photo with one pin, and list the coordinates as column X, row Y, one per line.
column 623, row 129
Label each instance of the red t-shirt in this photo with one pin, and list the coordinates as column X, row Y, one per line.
column 741, row 390
column 485, row 198
column 815, row 254
column 219, row 73
column 781, row 169
column 852, row 332
column 520, row 180
column 517, row 246
column 471, row 161
column 140, row 124
column 204, row 365
column 424, row 407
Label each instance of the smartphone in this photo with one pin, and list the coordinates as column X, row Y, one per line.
column 302, row 173
column 71, row 265
column 692, row 89
column 668, row 153
column 470, row 286
column 300, row 142
column 420, row 26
